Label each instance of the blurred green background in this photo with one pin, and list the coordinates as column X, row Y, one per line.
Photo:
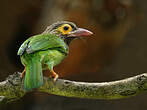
column 116, row 50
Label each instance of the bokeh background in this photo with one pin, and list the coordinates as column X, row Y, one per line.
column 117, row 50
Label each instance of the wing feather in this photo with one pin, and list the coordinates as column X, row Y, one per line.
column 43, row 42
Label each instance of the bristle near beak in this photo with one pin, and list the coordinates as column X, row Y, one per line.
column 80, row 32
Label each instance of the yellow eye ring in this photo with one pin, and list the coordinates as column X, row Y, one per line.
column 65, row 29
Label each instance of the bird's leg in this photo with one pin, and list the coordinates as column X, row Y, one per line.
column 54, row 75
column 23, row 73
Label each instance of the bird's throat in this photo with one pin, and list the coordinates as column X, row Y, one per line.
column 68, row 40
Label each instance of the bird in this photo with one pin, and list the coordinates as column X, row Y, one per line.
column 46, row 50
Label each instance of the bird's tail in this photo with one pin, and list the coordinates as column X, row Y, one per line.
column 33, row 76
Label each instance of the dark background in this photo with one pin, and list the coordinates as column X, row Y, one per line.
column 117, row 49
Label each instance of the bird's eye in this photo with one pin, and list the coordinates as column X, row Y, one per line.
column 65, row 28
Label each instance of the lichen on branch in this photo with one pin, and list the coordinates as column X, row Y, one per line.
column 12, row 88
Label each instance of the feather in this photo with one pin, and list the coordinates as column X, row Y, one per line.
column 33, row 76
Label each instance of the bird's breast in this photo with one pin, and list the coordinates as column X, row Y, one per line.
column 52, row 56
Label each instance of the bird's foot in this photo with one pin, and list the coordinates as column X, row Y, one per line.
column 23, row 73
column 55, row 78
column 54, row 75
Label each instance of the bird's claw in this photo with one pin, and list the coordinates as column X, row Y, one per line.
column 22, row 75
column 55, row 77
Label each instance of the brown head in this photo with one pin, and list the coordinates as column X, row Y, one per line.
column 67, row 31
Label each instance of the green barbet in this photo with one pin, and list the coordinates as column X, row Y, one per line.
column 44, row 51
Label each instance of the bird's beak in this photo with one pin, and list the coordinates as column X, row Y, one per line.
column 80, row 32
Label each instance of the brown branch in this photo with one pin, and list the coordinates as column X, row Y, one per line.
column 12, row 88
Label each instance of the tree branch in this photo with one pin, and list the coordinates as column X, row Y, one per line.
column 12, row 88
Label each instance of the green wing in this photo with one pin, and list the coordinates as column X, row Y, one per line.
column 43, row 42
column 23, row 46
